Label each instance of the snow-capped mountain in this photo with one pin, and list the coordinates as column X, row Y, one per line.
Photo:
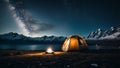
column 112, row 33
column 15, row 37
column 12, row 36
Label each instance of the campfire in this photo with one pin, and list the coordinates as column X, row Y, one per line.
column 49, row 51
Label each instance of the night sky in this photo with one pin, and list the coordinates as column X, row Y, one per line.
column 63, row 17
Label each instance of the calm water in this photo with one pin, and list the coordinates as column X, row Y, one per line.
column 54, row 46
column 31, row 47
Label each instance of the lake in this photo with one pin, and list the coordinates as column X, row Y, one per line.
column 31, row 47
column 54, row 46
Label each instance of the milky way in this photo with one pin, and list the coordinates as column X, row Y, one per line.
column 28, row 24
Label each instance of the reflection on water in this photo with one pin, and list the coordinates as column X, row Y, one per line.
column 31, row 47
column 54, row 46
column 97, row 47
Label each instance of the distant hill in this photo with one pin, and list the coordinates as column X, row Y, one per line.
column 15, row 38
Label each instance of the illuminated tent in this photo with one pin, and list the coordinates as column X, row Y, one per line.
column 74, row 42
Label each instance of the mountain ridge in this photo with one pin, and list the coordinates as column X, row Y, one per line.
column 111, row 33
column 20, row 38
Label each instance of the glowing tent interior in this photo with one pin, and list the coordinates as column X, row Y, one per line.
column 74, row 42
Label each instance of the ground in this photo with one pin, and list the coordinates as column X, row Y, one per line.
column 38, row 59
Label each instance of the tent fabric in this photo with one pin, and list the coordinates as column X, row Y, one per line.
column 74, row 42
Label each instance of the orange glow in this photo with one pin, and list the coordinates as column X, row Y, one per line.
column 43, row 54
column 74, row 45
column 66, row 45
column 49, row 50
column 74, row 42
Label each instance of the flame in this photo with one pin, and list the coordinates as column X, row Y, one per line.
column 49, row 50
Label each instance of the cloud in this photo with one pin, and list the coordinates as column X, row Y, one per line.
column 38, row 26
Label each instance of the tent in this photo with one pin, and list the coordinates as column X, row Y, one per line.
column 74, row 42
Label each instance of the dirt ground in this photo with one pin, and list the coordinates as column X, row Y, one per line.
column 39, row 59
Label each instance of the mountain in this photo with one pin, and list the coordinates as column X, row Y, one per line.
column 15, row 38
column 112, row 33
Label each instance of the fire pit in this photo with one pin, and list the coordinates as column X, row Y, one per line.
column 49, row 51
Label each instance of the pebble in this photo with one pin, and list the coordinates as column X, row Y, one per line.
column 68, row 66
column 95, row 65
